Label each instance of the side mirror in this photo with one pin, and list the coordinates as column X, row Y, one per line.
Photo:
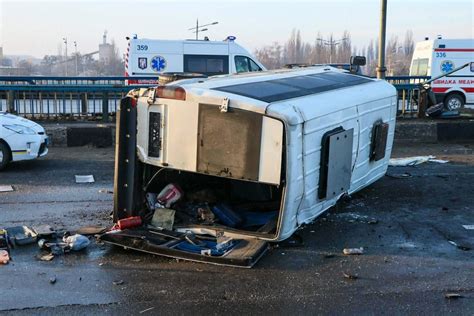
column 472, row 66
column 358, row 60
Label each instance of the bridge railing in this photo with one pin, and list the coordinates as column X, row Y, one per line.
column 97, row 98
column 408, row 93
column 64, row 97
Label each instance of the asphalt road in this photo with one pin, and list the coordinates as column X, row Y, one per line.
column 408, row 227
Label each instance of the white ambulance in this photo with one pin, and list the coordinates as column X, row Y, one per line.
column 435, row 57
column 148, row 57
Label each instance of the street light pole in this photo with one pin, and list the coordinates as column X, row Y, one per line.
column 65, row 42
column 75, row 52
column 331, row 43
column 199, row 28
column 383, row 29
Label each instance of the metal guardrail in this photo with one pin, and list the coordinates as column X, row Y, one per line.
column 98, row 97
column 408, row 93
column 64, row 97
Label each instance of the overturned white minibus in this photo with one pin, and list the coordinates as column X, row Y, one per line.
column 217, row 168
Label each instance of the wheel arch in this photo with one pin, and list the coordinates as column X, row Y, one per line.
column 8, row 146
column 458, row 92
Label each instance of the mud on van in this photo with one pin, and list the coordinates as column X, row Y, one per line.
column 212, row 170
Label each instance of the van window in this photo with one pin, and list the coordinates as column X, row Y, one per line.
column 245, row 64
column 207, row 64
column 419, row 67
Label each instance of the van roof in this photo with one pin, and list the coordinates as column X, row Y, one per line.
column 274, row 86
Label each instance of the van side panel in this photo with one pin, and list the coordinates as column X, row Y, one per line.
column 370, row 113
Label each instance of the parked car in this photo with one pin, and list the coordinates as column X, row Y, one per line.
column 20, row 139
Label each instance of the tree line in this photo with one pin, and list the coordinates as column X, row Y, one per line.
column 338, row 50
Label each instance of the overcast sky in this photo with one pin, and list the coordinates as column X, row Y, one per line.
column 37, row 27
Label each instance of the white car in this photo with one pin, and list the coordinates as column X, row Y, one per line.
column 20, row 139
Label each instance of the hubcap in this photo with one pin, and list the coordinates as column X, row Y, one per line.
column 454, row 104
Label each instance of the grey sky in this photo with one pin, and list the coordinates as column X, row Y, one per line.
column 37, row 27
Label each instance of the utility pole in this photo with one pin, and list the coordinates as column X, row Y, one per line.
column 65, row 42
column 331, row 43
column 199, row 28
column 383, row 29
column 75, row 53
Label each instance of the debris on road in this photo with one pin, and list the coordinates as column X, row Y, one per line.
column 118, row 282
column 350, row 276
column 468, row 227
column 91, row 230
column 46, row 257
column 76, row 242
column 452, row 295
column 353, row 251
column 413, row 161
column 6, row 188
column 4, row 257
column 106, row 191
column 52, row 280
column 21, row 235
column 404, row 175
column 146, row 310
column 352, row 217
column 461, row 247
column 85, row 179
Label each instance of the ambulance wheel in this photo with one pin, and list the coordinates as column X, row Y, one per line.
column 5, row 155
column 454, row 102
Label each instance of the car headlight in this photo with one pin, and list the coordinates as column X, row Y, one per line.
column 20, row 129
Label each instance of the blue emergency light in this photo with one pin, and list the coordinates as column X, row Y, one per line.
column 230, row 38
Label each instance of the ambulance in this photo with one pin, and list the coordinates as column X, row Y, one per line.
column 148, row 57
column 214, row 169
column 435, row 57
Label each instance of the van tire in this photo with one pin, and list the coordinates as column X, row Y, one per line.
column 5, row 155
column 454, row 101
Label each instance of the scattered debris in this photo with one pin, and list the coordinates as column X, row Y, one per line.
column 461, row 247
column 146, row 310
column 47, row 257
column 4, row 257
column 350, row 276
column 354, row 217
column 76, row 242
column 468, row 227
column 329, row 255
column 106, row 191
column 118, row 282
column 6, row 188
column 413, row 161
column 452, row 296
column 404, row 175
column 163, row 218
column 43, row 231
column 85, row 179
column 353, row 251
column 52, row 280
column 91, row 230
column 21, row 235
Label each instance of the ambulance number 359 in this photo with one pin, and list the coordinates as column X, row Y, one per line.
column 142, row 47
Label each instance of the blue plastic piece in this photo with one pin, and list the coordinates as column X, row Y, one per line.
column 227, row 216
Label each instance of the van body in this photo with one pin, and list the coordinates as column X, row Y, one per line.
column 278, row 148
column 435, row 57
column 148, row 57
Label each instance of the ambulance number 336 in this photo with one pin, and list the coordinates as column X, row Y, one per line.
column 142, row 47
column 442, row 54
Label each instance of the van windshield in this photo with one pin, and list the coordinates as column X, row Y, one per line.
column 419, row 67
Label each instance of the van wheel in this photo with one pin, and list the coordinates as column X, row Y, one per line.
column 454, row 102
column 5, row 155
